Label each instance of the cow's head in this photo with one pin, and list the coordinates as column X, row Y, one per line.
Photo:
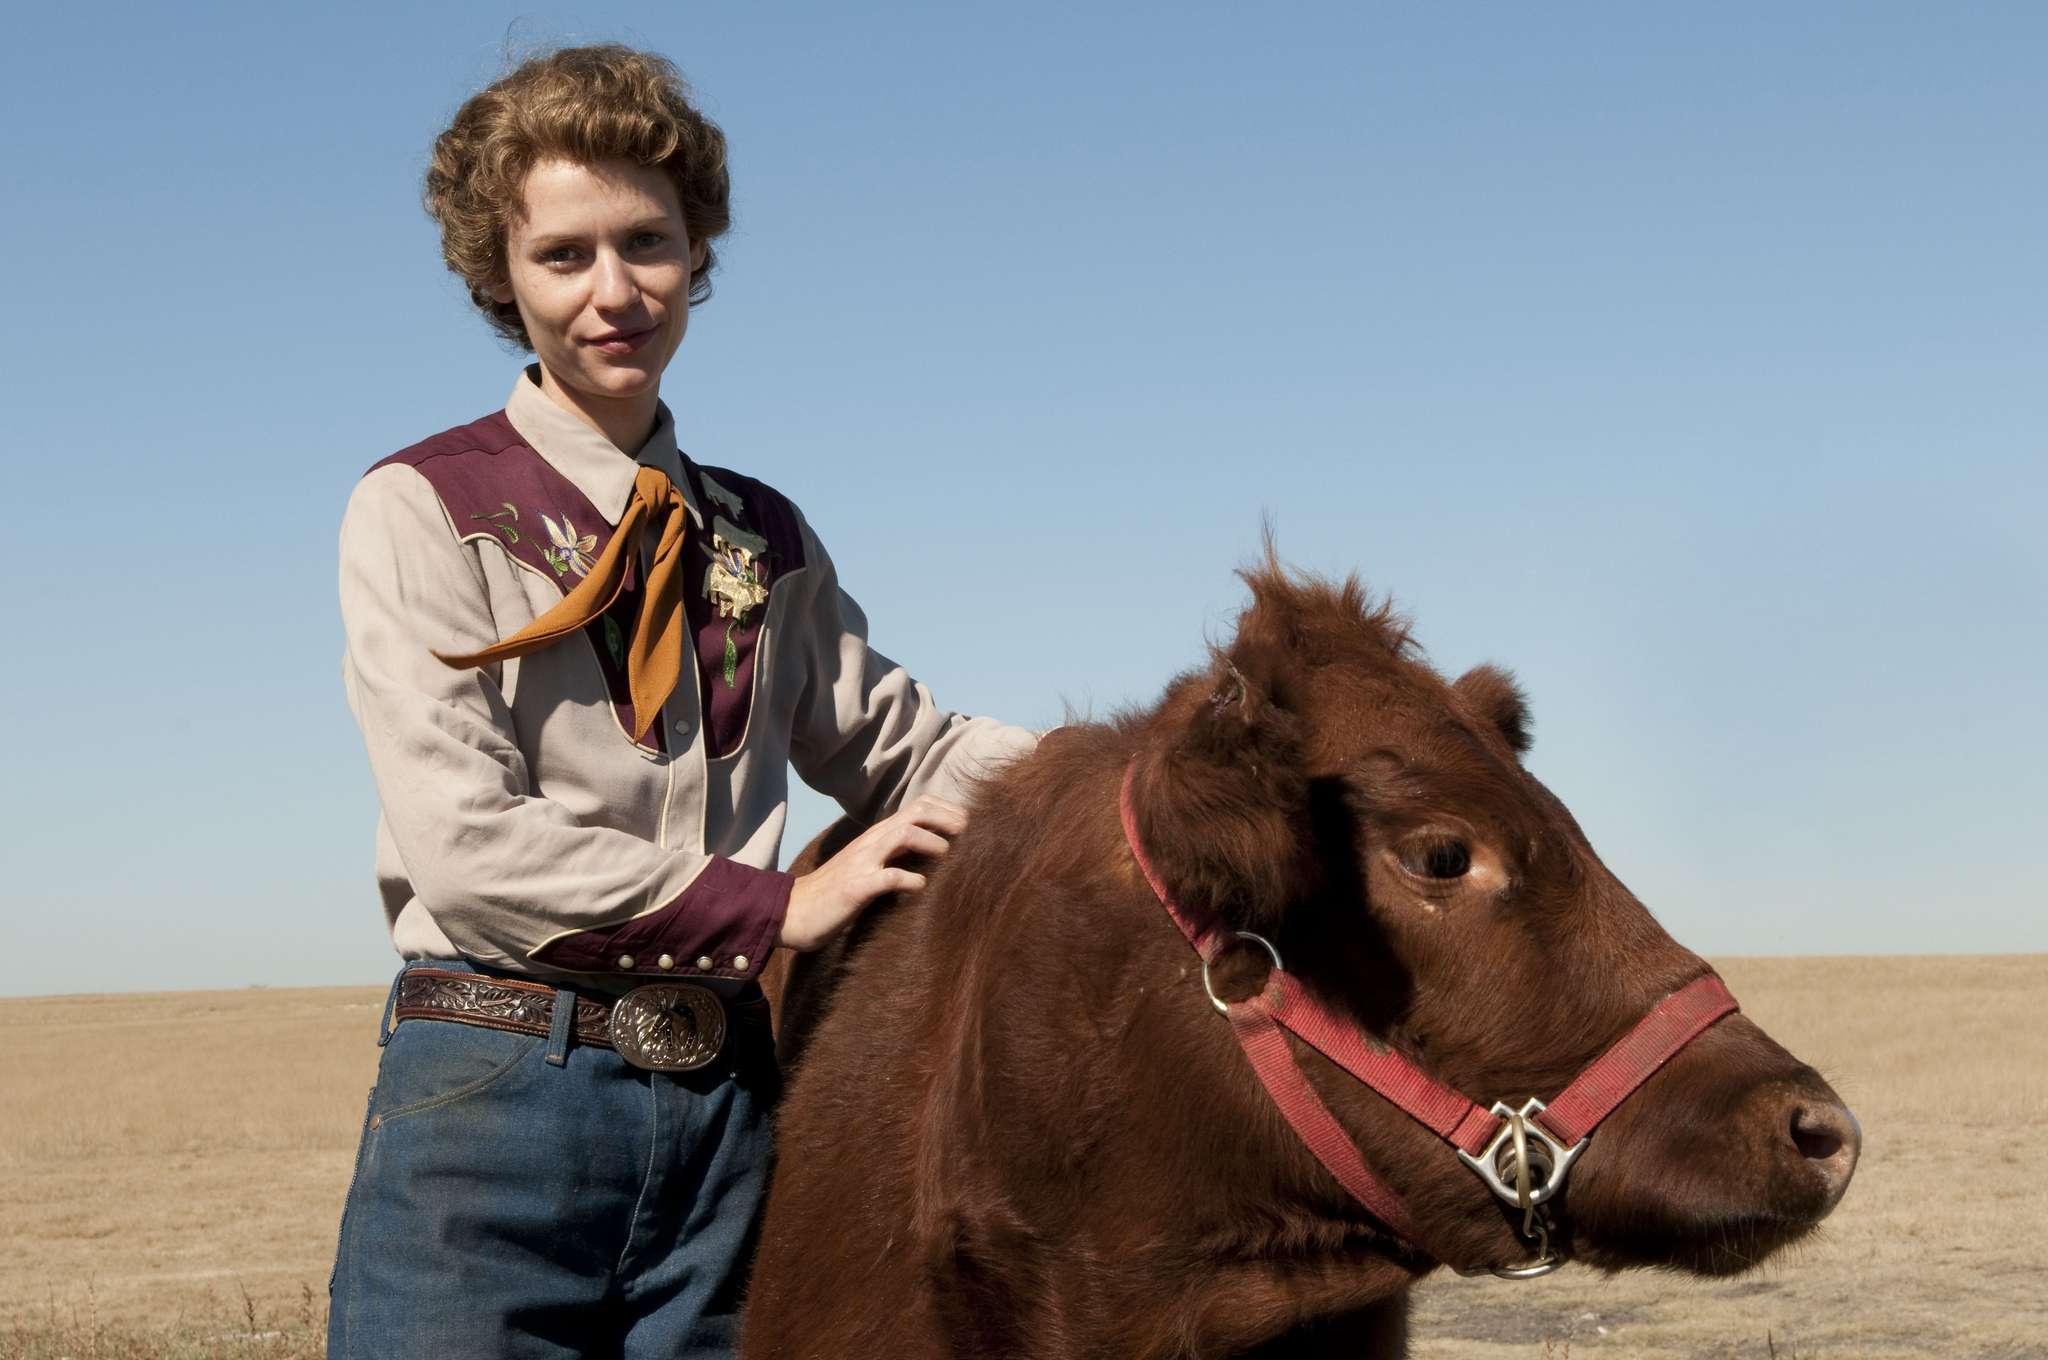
column 1322, row 786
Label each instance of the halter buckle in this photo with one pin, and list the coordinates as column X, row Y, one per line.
column 1521, row 1139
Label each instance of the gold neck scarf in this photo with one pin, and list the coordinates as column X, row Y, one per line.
column 654, row 655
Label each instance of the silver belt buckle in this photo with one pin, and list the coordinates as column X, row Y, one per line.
column 668, row 1026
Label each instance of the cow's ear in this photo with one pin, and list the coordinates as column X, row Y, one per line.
column 1221, row 796
column 1497, row 699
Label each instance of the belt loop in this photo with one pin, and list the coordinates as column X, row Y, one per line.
column 563, row 1028
column 390, row 1004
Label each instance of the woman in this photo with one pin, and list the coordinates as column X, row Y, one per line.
column 582, row 663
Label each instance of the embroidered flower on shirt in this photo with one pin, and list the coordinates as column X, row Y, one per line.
column 567, row 551
column 734, row 584
column 495, row 520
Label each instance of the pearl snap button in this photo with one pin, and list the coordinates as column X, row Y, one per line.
column 625, row 960
column 682, row 726
column 739, row 961
column 704, row 962
column 665, row 962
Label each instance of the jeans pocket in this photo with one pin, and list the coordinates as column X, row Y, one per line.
column 430, row 1064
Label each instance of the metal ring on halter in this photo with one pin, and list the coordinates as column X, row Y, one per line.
column 1535, row 1270
column 1546, row 1260
column 1218, row 1002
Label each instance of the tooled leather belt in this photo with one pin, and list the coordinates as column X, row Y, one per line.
column 662, row 1027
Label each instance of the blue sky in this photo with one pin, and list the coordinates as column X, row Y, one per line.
column 1688, row 362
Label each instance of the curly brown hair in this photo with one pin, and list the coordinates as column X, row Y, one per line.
column 580, row 104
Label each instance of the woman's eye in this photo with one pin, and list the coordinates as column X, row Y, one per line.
column 558, row 255
column 647, row 240
column 1438, row 859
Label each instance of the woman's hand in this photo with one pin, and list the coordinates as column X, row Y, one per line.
column 825, row 901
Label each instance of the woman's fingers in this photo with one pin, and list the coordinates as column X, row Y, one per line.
column 826, row 899
column 924, row 828
column 948, row 819
column 919, row 841
column 901, row 880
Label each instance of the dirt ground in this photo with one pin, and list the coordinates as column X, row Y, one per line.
column 173, row 1165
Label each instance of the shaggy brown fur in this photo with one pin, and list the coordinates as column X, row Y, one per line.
column 1017, row 1128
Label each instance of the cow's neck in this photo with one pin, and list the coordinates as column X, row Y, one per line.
column 1029, row 1303
column 1208, row 1280
column 1302, row 1311
column 1376, row 1332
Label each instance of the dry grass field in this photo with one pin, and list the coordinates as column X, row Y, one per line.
column 172, row 1168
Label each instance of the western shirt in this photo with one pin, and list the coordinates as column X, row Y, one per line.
column 522, row 826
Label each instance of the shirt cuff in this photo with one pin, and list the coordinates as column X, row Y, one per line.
column 723, row 925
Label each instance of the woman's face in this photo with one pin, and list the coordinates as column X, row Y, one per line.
column 599, row 265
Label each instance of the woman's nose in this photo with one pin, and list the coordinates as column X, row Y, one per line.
column 612, row 287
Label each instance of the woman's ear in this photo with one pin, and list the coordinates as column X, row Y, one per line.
column 1497, row 700
column 1222, row 799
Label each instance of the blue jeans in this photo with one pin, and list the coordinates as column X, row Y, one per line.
column 504, row 1205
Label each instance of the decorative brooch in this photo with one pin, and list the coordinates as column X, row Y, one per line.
column 734, row 582
column 727, row 500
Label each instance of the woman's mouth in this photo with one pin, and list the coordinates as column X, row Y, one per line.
column 622, row 342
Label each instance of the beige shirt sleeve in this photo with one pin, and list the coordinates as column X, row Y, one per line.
column 512, row 878
column 865, row 732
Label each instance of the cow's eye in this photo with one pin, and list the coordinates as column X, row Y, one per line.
column 1443, row 859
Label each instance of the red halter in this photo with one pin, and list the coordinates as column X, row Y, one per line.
column 1507, row 1147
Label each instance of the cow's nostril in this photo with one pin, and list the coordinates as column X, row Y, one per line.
column 1828, row 1140
column 1818, row 1136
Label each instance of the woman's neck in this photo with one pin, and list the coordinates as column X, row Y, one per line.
column 625, row 421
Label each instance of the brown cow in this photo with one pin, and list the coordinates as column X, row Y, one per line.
column 1020, row 1129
